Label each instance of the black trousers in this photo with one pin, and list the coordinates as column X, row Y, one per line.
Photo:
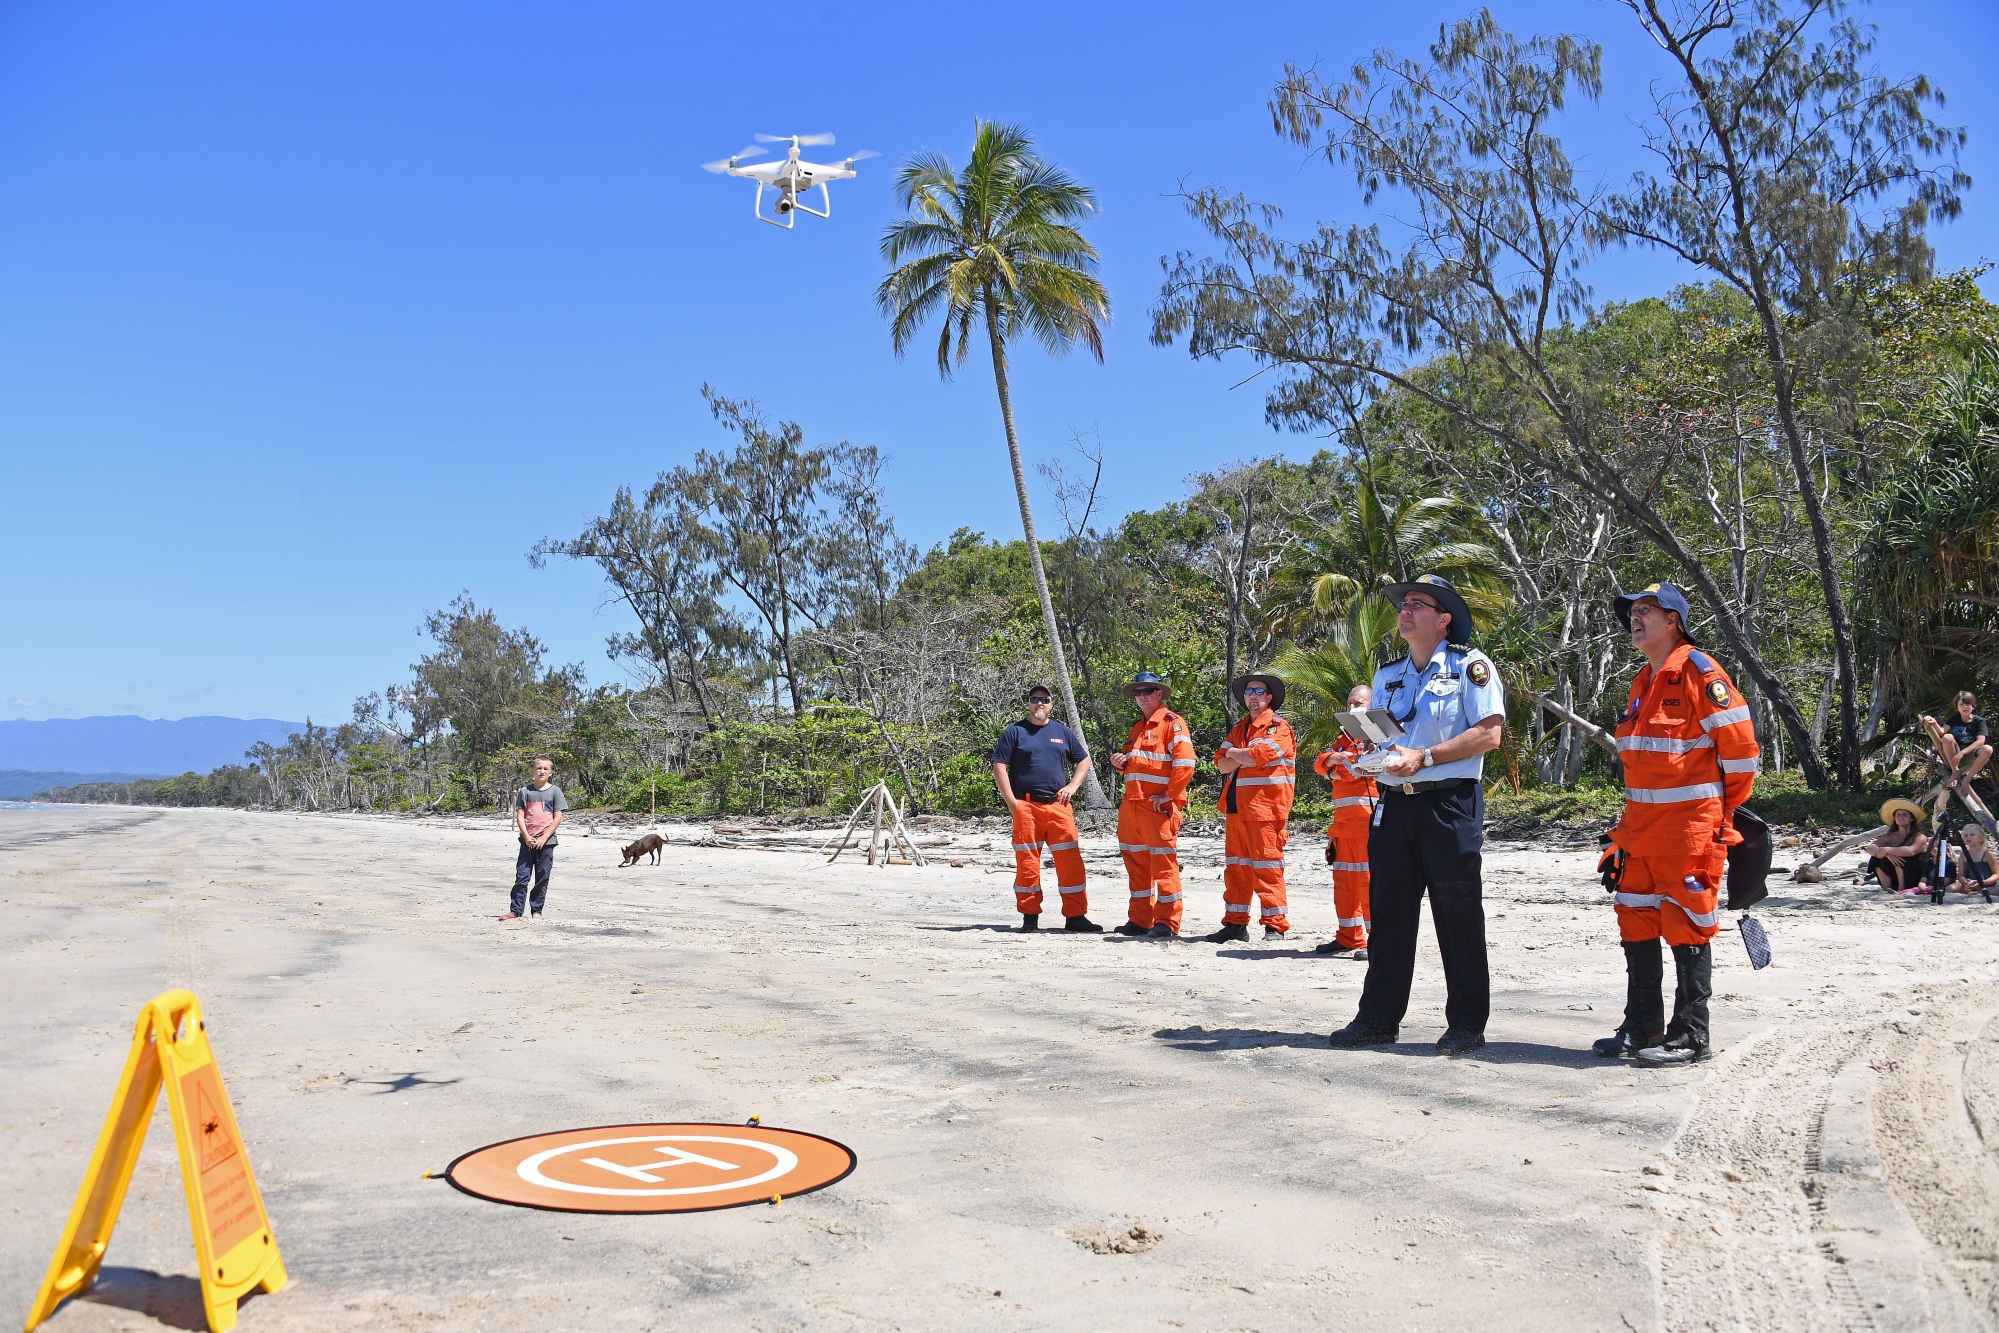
column 1430, row 840
column 535, row 861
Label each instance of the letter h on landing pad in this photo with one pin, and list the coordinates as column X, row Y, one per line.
column 232, row 1234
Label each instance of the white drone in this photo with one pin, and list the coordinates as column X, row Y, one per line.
column 790, row 178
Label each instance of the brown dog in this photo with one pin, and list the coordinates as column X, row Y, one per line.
column 651, row 842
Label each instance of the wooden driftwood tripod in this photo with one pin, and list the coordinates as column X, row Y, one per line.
column 886, row 831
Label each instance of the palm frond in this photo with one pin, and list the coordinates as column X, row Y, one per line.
column 1002, row 225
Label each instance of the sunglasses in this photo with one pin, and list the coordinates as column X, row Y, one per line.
column 1418, row 604
column 1140, row 694
column 1039, row 701
column 1253, row 689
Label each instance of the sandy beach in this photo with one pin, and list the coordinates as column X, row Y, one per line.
column 1019, row 1104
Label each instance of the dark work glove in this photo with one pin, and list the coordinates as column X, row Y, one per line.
column 1332, row 855
column 1610, row 868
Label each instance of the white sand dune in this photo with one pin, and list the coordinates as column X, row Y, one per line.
column 1018, row 1104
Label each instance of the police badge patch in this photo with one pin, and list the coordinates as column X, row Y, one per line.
column 1479, row 673
column 1717, row 690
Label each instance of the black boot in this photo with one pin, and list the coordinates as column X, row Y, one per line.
column 1620, row 1043
column 1131, row 928
column 1082, row 923
column 1358, row 1033
column 1686, row 1036
column 1644, row 1005
column 1030, row 921
column 1228, row 933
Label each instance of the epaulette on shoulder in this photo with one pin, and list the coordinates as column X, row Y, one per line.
column 1702, row 662
column 1394, row 662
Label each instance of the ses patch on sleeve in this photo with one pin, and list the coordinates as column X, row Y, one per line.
column 1717, row 690
column 1479, row 672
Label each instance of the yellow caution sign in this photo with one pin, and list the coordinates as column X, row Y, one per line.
column 232, row 1234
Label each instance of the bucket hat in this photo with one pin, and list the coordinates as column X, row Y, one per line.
column 1143, row 680
column 1438, row 590
column 1274, row 684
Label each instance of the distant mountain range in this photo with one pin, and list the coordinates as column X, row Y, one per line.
column 19, row 784
column 110, row 749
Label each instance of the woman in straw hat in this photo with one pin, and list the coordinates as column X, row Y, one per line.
column 1895, row 854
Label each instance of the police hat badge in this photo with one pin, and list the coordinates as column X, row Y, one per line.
column 1758, row 943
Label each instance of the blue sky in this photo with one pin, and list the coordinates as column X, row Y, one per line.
column 312, row 315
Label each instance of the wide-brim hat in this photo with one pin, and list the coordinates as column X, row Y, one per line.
column 1435, row 587
column 1895, row 803
column 1275, row 684
column 1669, row 598
column 1142, row 680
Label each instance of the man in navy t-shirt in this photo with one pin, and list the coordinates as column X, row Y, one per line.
column 1031, row 767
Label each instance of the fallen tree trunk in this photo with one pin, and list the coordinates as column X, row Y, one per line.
column 1582, row 724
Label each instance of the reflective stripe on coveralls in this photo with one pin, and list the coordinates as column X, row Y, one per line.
column 1159, row 754
column 1147, row 841
column 1051, row 826
column 1354, row 798
column 1256, row 803
column 1653, row 902
column 1690, row 758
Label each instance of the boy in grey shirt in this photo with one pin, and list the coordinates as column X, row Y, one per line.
column 537, row 815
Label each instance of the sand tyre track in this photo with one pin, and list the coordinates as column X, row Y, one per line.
column 1834, row 1177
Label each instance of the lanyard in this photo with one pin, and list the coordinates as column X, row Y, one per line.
column 1444, row 672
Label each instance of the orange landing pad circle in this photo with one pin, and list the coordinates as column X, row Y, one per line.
column 651, row 1168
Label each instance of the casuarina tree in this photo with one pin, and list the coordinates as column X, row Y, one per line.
column 1793, row 173
column 995, row 247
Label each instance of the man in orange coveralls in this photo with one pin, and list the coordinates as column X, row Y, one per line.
column 1690, row 759
column 1158, row 766
column 1259, row 765
column 1354, row 799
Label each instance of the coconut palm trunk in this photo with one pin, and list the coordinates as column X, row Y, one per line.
column 996, row 243
column 1093, row 795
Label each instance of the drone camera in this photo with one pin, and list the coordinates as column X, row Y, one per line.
column 792, row 179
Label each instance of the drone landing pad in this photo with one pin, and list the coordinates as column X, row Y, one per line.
column 673, row 1168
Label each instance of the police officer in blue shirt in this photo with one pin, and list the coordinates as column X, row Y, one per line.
column 1428, row 829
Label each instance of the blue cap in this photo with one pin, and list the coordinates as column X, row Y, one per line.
column 1667, row 596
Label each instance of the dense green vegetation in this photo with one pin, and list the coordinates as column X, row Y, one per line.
column 1805, row 435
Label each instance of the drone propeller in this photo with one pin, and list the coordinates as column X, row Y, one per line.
column 804, row 140
column 725, row 163
column 862, row 156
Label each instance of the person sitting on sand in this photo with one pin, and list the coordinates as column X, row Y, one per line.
column 1892, row 857
column 1978, row 868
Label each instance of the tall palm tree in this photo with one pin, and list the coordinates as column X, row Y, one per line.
column 996, row 244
